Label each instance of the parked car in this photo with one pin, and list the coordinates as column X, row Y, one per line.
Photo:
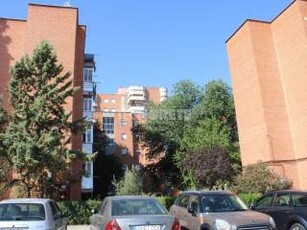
column 31, row 214
column 217, row 210
column 132, row 212
column 287, row 207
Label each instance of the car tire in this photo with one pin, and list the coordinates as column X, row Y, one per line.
column 297, row 226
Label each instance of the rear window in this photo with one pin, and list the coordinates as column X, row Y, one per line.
column 137, row 207
column 22, row 211
column 299, row 199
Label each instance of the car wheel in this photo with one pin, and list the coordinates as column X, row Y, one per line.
column 297, row 226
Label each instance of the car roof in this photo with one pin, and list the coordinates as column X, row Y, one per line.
column 209, row 192
column 287, row 191
column 25, row 200
column 129, row 197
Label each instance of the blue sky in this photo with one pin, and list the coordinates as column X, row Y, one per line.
column 158, row 42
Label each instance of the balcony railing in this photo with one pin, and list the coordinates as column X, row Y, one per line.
column 88, row 114
column 88, row 87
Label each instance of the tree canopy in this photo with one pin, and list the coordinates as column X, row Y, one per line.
column 193, row 121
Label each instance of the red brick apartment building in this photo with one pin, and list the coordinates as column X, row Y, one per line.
column 60, row 26
column 268, row 63
column 119, row 113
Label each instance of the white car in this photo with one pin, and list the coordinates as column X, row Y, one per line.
column 31, row 214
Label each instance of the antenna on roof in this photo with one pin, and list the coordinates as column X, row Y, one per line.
column 67, row 3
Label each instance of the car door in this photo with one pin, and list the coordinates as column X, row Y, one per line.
column 281, row 209
column 264, row 203
column 180, row 209
column 192, row 216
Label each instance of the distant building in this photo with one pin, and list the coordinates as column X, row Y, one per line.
column 119, row 113
column 268, row 63
column 60, row 26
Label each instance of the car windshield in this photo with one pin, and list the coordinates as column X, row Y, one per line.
column 22, row 211
column 222, row 203
column 137, row 207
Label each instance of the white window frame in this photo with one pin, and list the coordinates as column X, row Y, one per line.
column 88, row 74
column 87, row 104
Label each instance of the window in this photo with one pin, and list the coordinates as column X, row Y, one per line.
column 124, row 136
column 299, row 199
column 113, row 100
column 106, row 100
column 183, row 201
column 110, row 146
column 88, row 168
column 123, row 122
column 87, row 104
column 113, row 110
column 265, row 201
column 282, row 200
column 194, row 204
column 105, row 110
column 108, row 125
column 123, row 151
column 88, row 74
column 87, row 135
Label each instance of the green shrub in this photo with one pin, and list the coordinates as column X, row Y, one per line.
column 259, row 178
column 166, row 201
column 79, row 212
column 249, row 198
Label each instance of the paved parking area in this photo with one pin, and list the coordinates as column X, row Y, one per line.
column 78, row 227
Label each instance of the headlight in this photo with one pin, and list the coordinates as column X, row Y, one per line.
column 222, row 225
column 272, row 223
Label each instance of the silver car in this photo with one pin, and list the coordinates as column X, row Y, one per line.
column 31, row 214
column 217, row 210
column 132, row 213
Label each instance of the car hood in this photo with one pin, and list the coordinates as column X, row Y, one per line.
column 243, row 217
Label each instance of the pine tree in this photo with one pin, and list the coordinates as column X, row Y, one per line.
column 39, row 131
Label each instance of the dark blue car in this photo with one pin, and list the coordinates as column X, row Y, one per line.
column 287, row 207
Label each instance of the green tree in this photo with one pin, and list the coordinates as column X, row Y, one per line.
column 130, row 184
column 191, row 120
column 37, row 136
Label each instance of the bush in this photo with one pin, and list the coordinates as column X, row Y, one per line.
column 249, row 198
column 79, row 212
column 166, row 201
column 259, row 178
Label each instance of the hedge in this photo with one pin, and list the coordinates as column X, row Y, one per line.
column 79, row 212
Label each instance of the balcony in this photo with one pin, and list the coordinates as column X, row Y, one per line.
column 88, row 87
column 87, row 148
column 137, row 109
column 88, row 114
